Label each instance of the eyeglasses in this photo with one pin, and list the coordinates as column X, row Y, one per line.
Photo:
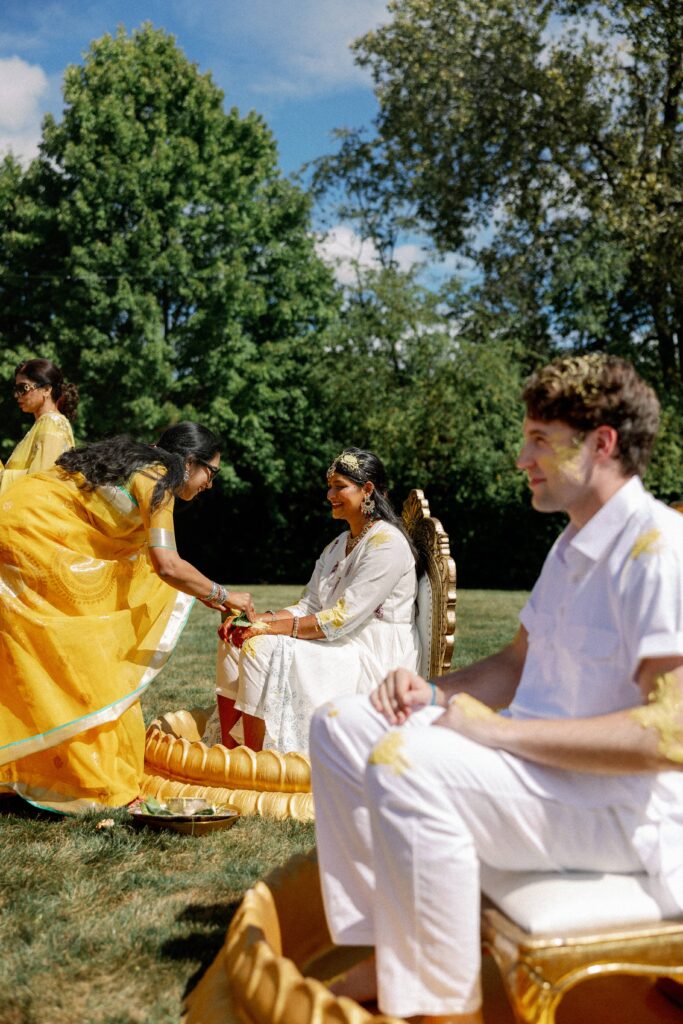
column 23, row 389
column 213, row 470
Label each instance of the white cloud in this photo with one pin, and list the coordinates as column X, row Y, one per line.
column 349, row 254
column 301, row 47
column 23, row 89
column 342, row 248
column 408, row 255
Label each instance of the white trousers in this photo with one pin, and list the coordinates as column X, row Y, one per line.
column 403, row 818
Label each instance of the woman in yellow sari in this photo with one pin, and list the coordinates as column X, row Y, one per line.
column 40, row 389
column 93, row 596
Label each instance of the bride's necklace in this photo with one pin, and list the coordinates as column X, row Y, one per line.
column 352, row 541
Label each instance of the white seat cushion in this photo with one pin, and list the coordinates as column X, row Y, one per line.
column 423, row 621
column 543, row 902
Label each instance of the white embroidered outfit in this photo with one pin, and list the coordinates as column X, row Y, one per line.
column 365, row 606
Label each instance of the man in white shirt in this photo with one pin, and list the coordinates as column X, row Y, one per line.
column 418, row 785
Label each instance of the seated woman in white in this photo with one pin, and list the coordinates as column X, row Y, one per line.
column 353, row 624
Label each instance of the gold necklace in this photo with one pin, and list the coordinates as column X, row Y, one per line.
column 352, row 541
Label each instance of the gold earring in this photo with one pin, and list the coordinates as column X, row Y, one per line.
column 367, row 505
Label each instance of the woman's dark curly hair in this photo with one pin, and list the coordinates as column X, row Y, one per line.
column 361, row 466
column 45, row 373
column 115, row 459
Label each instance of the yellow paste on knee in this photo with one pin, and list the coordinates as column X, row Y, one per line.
column 249, row 646
column 664, row 714
column 388, row 751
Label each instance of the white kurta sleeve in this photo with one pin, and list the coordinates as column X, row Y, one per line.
column 383, row 560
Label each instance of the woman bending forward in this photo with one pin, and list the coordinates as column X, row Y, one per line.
column 353, row 624
column 93, row 596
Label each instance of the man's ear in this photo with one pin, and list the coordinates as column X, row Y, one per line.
column 606, row 442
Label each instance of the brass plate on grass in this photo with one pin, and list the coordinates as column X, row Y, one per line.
column 184, row 814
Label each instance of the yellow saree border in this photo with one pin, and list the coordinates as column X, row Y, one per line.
column 111, row 712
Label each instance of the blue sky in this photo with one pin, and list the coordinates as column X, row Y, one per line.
column 287, row 59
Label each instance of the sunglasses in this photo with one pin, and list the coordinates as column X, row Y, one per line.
column 23, row 389
column 213, row 470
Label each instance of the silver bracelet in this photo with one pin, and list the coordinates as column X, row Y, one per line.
column 217, row 595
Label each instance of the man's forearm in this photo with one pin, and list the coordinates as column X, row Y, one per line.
column 609, row 744
column 645, row 738
column 492, row 680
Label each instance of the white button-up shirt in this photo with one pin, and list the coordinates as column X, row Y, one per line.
column 609, row 595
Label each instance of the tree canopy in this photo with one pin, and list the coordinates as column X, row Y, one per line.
column 545, row 141
column 155, row 250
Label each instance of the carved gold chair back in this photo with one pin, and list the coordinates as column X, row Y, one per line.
column 436, row 588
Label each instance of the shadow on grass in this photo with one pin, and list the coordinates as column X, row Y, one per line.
column 204, row 944
column 18, row 808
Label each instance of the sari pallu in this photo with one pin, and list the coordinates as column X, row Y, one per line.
column 85, row 625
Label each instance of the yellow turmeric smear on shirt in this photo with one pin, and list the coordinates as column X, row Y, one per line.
column 336, row 616
column 376, row 540
column 664, row 714
column 646, row 544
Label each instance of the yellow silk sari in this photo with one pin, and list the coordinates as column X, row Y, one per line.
column 85, row 625
column 49, row 437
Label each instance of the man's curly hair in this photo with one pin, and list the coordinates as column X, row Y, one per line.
column 593, row 390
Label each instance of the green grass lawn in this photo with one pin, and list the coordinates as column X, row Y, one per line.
column 115, row 925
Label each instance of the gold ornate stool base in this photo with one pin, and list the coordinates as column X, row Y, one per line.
column 268, row 783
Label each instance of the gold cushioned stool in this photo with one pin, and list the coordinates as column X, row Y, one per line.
column 549, row 931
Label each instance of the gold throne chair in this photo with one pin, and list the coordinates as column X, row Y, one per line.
column 275, row 784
